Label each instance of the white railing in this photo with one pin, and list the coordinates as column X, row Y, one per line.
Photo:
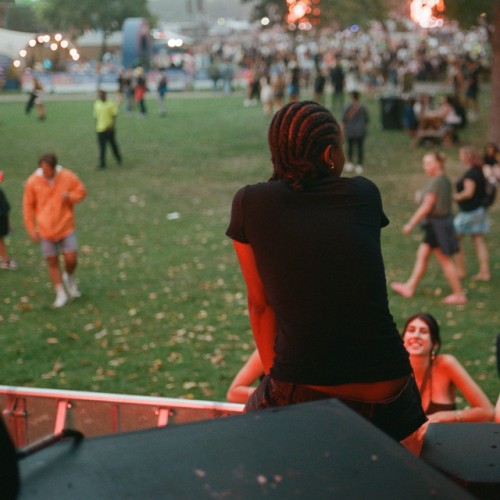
column 32, row 414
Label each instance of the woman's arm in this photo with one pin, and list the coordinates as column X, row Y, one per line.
column 423, row 210
column 241, row 387
column 260, row 311
column 481, row 409
column 467, row 192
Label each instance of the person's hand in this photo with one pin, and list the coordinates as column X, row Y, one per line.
column 407, row 228
column 441, row 416
column 35, row 238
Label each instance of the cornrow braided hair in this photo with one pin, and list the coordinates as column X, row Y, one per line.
column 298, row 136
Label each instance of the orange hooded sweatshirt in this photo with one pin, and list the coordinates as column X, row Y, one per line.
column 46, row 210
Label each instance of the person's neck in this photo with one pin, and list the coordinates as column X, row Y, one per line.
column 420, row 366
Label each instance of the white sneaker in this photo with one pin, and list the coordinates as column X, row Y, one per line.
column 9, row 264
column 358, row 169
column 70, row 285
column 61, row 300
column 348, row 167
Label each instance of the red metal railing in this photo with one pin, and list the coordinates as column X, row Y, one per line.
column 31, row 414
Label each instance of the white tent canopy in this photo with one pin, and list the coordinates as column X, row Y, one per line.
column 94, row 39
column 11, row 42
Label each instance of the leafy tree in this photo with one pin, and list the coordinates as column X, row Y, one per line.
column 340, row 12
column 77, row 16
column 19, row 17
column 468, row 13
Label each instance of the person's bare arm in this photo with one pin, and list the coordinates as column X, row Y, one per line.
column 468, row 191
column 261, row 314
column 423, row 210
column 242, row 385
column 481, row 409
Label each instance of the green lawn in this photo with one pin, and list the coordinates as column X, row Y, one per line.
column 163, row 310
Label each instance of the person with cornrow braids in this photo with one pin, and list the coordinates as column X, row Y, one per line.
column 308, row 245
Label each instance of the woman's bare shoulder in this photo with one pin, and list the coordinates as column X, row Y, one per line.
column 446, row 362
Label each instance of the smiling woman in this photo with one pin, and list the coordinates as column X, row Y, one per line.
column 439, row 376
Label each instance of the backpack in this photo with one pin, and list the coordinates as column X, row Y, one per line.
column 490, row 193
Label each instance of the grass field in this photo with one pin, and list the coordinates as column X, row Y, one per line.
column 163, row 310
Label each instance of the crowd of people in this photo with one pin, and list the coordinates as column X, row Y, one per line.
column 289, row 331
column 309, row 324
column 319, row 309
column 443, row 233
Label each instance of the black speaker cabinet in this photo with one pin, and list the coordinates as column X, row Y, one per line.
column 9, row 474
column 314, row 450
column 468, row 453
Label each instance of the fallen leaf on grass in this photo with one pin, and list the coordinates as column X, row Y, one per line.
column 100, row 335
column 117, row 361
column 156, row 366
column 175, row 357
column 56, row 370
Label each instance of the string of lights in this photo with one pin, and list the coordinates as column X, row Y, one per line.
column 46, row 42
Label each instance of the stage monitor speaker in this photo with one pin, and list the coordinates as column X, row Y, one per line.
column 9, row 473
column 319, row 450
column 468, row 453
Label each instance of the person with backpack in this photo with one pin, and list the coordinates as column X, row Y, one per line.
column 355, row 126
column 472, row 218
column 491, row 170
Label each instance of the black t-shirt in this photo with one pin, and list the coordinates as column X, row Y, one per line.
column 318, row 254
column 476, row 175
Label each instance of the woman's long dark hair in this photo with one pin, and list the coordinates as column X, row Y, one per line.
column 298, row 136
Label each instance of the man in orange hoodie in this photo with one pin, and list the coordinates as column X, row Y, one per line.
column 50, row 194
